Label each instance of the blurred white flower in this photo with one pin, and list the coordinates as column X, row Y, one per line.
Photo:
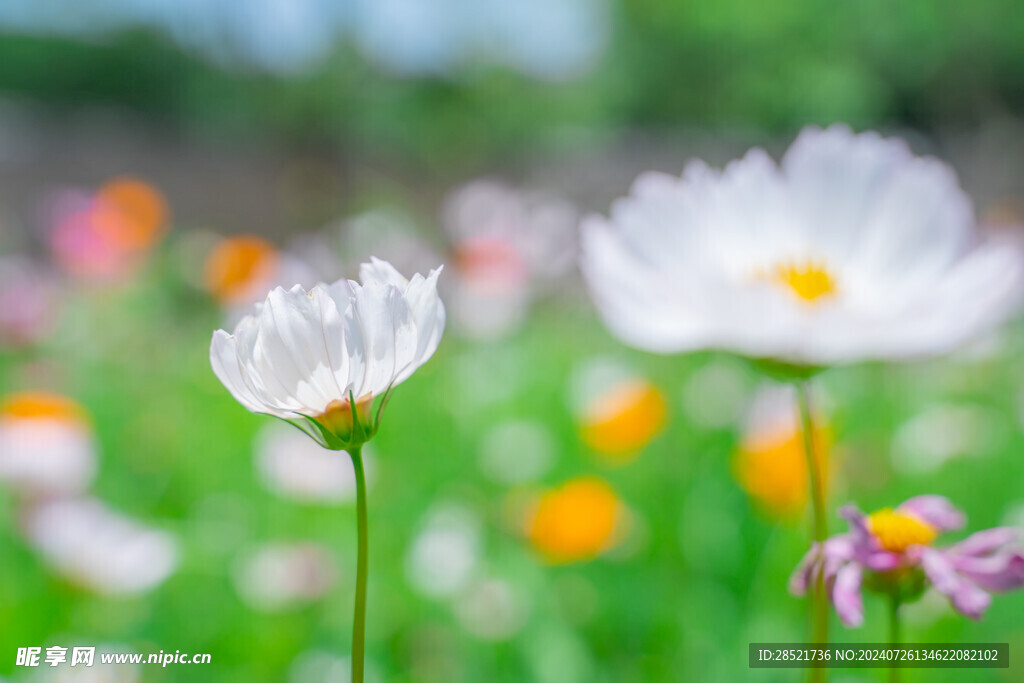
column 293, row 466
column 492, row 609
column 714, row 394
column 305, row 356
column 517, row 451
column 100, row 549
column 390, row 232
column 322, row 666
column 29, row 302
column 942, row 432
column 539, row 227
column 446, row 552
column 507, row 243
column 281, row 576
column 46, row 445
column 852, row 248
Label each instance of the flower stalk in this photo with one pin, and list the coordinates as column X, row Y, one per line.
column 359, row 611
column 819, row 618
column 894, row 630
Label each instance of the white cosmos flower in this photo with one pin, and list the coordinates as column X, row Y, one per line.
column 306, row 356
column 100, row 549
column 850, row 248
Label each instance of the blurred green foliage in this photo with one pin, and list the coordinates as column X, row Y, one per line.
column 670, row 65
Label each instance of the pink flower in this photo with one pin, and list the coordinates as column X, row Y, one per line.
column 892, row 550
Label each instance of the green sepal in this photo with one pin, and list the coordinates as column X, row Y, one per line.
column 905, row 585
column 786, row 372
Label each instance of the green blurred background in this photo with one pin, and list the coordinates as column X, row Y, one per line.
column 333, row 130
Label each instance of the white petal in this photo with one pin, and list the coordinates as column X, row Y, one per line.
column 835, row 178
column 293, row 347
column 428, row 315
column 224, row 360
column 381, row 271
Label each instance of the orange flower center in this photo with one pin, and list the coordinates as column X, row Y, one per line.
column 575, row 521
column 32, row 405
column 236, row 263
column 339, row 419
column 897, row 531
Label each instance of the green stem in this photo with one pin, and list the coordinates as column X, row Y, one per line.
column 820, row 601
column 894, row 632
column 359, row 612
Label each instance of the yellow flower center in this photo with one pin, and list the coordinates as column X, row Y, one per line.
column 621, row 422
column 575, row 521
column 897, row 531
column 808, row 281
column 339, row 419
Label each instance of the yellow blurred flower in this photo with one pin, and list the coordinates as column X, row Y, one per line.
column 623, row 419
column 770, row 463
column 41, row 405
column 238, row 266
column 576, row 521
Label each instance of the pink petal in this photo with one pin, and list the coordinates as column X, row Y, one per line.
column 800, row 581
column 936, row 510
column 984, row 542
column 1000, row 572
column 966, row 597
column 846, row 595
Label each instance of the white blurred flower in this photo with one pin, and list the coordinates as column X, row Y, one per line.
column 492, row 609
column 281, row 576
column 390, row 232
column 851, row 248
column 29, row 302
column 293, row 466
column 446, row 552
column 942, row 432
column 714, row 394
column 100, row 549
column 506, row 244
column 517, row 451
column 46, row 445
column 321, row 666
column 539, row 227
column 305, row 356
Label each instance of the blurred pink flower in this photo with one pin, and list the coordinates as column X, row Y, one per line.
column 29, row 302
column 893, row 547
column 107, row 234
column 507, row 244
